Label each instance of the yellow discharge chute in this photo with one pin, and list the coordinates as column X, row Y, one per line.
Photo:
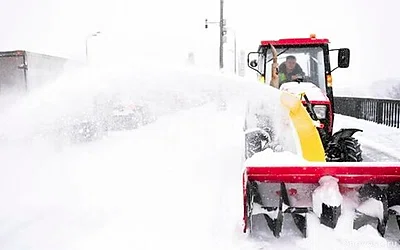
column 310, row 141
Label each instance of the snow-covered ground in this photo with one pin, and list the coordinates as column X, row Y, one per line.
column 173, row 184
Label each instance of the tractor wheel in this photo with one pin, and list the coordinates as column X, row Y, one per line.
column 352, row 148
column 253, row 144
column 256, row 142
column 346, row 150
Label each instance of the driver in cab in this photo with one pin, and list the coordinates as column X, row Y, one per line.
column 290, row 70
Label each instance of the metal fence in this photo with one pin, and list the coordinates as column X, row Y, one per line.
column 382, row 111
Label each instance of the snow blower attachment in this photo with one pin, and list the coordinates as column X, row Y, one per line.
column 272, row 191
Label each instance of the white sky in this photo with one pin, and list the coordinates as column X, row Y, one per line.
column 176, row 27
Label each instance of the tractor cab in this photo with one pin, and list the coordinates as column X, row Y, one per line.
column 299, row 59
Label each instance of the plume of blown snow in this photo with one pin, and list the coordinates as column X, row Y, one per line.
column 89, row 93
column 39, row 182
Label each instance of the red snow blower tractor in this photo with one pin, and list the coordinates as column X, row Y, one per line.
column 330, row 175
column 304, row 68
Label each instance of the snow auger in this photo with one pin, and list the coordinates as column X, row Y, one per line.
column 327, row 177
column 270, row 192
column 311, row 78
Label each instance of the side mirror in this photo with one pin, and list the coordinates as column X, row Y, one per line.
column 344, row 58
column 252, row 61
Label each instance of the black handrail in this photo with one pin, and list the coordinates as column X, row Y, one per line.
column 381, row 111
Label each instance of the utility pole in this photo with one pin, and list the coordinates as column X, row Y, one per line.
column 229, row 29
column 242, row 63
column 234, row 46
column 235, row 54
column 190, row 59
column 221, row 35
column 222, row 32
column 87, row 39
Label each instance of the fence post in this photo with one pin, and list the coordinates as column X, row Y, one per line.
column 379, row 112
column 357, row 109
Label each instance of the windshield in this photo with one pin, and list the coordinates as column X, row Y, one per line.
column 307, row 61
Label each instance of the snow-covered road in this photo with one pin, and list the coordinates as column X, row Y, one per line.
column 372, row 154
column 167, row 185
column 379, row 142
column 173, row 184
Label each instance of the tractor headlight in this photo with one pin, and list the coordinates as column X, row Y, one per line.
column 320, row 111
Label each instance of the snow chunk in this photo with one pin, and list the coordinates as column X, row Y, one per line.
column 268, row 156
column 372, row 207
column 258, row 209
column 328, row 193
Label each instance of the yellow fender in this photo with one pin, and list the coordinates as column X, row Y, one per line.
column 310, row 141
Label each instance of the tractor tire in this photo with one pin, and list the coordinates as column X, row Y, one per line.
column 256, row 142
column 353, row 152
column 253, row 144
column 346, row 150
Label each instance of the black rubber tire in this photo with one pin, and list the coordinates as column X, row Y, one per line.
column 346, row 150
column 353, row 152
